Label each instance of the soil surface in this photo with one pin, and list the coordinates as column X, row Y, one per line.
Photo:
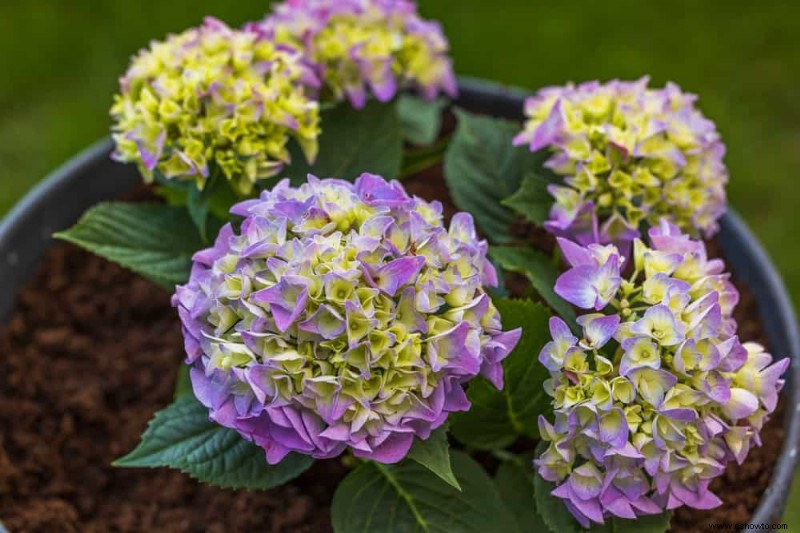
column 92, row 351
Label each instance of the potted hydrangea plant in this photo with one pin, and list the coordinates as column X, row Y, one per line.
column 489, row 322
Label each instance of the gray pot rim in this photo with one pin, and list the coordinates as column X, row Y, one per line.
column 90, row 177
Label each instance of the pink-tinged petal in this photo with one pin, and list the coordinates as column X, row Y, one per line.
column 717, row 387
column 392, row 276
column 326, row 322
column 283, row 317
column 357, row 95
column 386, row 88
column 546, row 429
column 582, row 519
column 546, row 133
column 673, row 502
column 456, row 399
column 586, row 481
column 339, row 432
column 462, row 228
column 659, row 323
column 619, row 232
column 681, row 414
column 494, row 373
column 607, row 282
column 561, row 332
column 494, row 351
column 706, row 500
column 626, row 450
column 332, row 408
column 578, row 224
column 489, row 274
column 614, row 428
column 598, row 330
column 617, row 503
column 769, row 383
column 652, row 384
column 258, row 376
column 577, row 286
column 392, row 450
column 451, row 349
column 283, row 294
column 738, row 440
column 742, row 404
column 640, row 352
column 376, row 191
column 709, row 356
column 376, row 227
column 575, row 254
column 206, row 391
column 646, row 506
column 590, row 508
column 551, row 357
column 221, row 244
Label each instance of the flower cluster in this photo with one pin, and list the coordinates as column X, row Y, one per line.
column 658, row 394
column 342, row 315
column 213, row 99
column 629, row 155
column 357, row 46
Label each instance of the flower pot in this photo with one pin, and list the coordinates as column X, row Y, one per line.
column 25, row 235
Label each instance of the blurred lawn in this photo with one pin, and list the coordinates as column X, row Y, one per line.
column 60, row 60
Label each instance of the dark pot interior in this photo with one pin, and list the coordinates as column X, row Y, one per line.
column 25, row 235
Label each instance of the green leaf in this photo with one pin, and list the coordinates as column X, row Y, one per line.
column 182, row 437
column 540, row 270
column 353, row 141
column 409, row 498
column 156, row 241
column 532, row 199
column 497, row 418
column 644, row 524
column 482, row 168
column 486, row 426
column 183, row 384
column 514, row 480
column 197, row 204
column 420, row 120
column 207, row 207
column 434, row 454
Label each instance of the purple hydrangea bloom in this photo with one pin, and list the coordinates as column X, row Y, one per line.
column 341, row 316
column 358, row 47
column 629, row 155
column 658, row 394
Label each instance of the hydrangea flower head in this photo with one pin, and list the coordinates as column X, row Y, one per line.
column 341, row 316
column 359, row 47
column 658, row 394
column 630, row 155
column 213, row 99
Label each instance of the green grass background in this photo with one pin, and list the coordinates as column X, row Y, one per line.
column 59, row 61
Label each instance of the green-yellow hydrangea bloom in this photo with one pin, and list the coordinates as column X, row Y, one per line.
column 214, row 100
